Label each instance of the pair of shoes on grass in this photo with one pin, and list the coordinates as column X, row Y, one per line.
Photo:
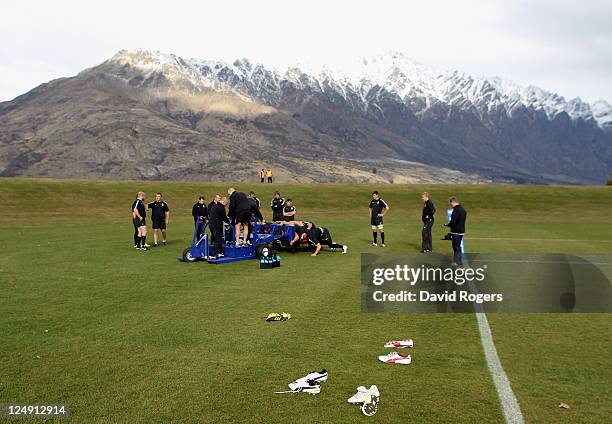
column 367, row 398
column 394, row 358
column 376, row 244
column 310, row 383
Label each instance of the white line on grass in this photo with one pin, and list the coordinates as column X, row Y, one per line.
column 509, row 404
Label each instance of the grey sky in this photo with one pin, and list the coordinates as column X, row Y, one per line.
column 562, row 46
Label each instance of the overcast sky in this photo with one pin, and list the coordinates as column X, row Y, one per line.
column 562, row 46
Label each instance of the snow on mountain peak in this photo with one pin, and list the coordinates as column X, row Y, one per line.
column 394, row 71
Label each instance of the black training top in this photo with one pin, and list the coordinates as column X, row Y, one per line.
column 377, row 206
column 139, row 204
column 216, row 214
column 239, row 202
column 457, row 222
column 277, row 204
column 288, row 209
column 159, row 209
column 199, row 209
column 428, row 211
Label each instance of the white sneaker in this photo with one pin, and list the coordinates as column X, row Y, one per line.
column 315, row 376
column 374, row 244
column 382, row 245
column 359, row 397
column 344, row 249
column 370, row 406
column 312, row 387
column 395, row 358
column 400, row 344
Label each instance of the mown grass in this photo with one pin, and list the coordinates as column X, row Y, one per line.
column 139, row 337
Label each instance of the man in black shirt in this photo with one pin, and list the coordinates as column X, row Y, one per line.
column 255, row 205
column 378, row 209
column 240, row 214
column 321, row 236
column 138, row 219
column 160, row 216
column 216, row 218
column 289, row 211
column 199, row 211
column 428, row 220
column 277, row 204
column 457, row 228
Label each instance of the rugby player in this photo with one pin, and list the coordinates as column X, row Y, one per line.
column 160, row 216
column 217, row 216
column 240, row 214
column 255, row 206
column 289, row 211
column 378, row 209
column 138, row 219
column 199, row 211
column 277, row 204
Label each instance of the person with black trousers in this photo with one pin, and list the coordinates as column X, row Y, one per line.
column 428, row 220
column 216, row 218
column 457, row 228
column 277, row 204
column 199, row 211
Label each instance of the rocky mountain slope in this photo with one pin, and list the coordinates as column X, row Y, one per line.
column 150, row 115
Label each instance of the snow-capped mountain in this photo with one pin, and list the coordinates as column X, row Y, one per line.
column 417, row 85
column 150, row 115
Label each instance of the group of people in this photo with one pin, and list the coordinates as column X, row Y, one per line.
column 245, row 209
column 263, row 174
column 160, row 217
column 379, row 208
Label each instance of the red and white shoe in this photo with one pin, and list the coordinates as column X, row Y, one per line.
column 395, row 358
column 400, row 344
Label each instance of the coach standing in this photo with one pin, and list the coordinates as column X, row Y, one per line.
column 199, row 211
column 277, row 204
column 138, row 218
column 457, row 228
column 428, row 220
column 216, row 218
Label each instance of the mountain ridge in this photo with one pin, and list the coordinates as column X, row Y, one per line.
column 143, row 114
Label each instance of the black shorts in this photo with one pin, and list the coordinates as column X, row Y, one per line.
column 244, row 217
column 376, row 221
column 138, row 222
column 159, row 224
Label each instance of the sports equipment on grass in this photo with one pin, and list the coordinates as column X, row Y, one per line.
column 395, row 358
column 400, row 344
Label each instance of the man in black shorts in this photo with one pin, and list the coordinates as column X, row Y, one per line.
column 239, row 213
column 138, row 219
column 160, row 216
column 289, row 211
column 378, row 209
column 277, row 204
column 321, row 236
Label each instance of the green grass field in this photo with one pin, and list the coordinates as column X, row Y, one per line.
column 124, row 336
